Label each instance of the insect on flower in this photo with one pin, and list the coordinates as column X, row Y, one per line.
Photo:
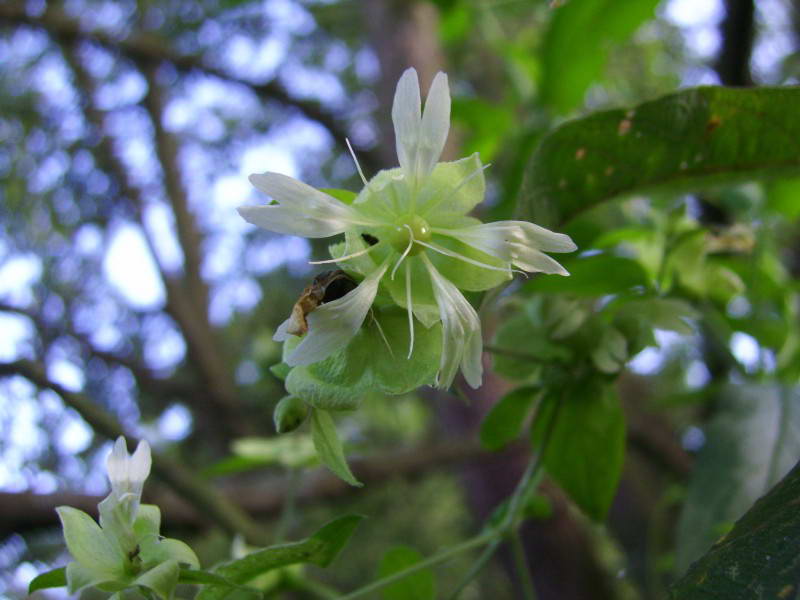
column 407, row 234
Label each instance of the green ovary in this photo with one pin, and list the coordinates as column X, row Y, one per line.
column 404, row 228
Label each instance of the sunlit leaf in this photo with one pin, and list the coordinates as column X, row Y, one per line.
column 577, row 42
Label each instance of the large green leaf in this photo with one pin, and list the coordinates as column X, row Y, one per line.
column 504, row 422
column 751, row 443
column 680, row 142
column 320, row 549
column 577, row 43
column 759, row 558
column 584, row 430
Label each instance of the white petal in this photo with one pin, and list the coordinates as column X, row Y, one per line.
column 517, row 242
column 301, row 210
column 532, row 260
column 281, row 335
column 140, row 463
column 462, row 343
column 435, row 125
column 117, row 463
column 282, row 220
column 331, row 325
column 407, row 119
column 544, row 239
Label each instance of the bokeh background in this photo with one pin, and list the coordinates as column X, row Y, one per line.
column 129, row 284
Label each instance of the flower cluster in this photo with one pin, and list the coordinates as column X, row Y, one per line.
column 125, row 550
column 408, row 236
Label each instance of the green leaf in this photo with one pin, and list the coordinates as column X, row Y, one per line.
column 596, row 275
column 332, row 537
column 586, row 442
column 504, row 422
column 522, row 346
column 420, row 585
column 681, row 142
column 320, row 549
column 752, row 442
column 51, row 579
column 576, row 46
column 758, row 558
column 329, row 447
column 156, row 550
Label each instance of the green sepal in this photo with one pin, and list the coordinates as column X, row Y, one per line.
column 161, row 579
column 289, row 414
column 280, row 370
column 89, row 545
column 154, row 551
column 79, row 577
column 345, row 196
column 148, row 521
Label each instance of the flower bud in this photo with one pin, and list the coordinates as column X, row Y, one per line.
column 289, row 414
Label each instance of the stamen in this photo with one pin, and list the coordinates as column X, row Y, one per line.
column 355, row 160
column 406, row 251
column 466, row 259
column 410, row 312
column 455, row 190
column 344, row 258
column 380, row 331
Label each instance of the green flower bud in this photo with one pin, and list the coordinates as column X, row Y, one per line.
column 289, row 414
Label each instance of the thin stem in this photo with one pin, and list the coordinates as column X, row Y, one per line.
column 521, row 563
column 476, row 568
column 315, row 588
column 511, row 353
column 474, row 542
column 289, row 504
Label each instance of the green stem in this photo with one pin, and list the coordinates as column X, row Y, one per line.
column 288, row 509
column 315, row 588
column 476, row 568
column 521, row 562
column 474, row 542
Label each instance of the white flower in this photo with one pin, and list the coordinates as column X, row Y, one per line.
column 417, row 214
column 127, row 474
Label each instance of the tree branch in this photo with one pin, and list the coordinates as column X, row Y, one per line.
column 202, row 347
column 22, row 511
column 148, row 47
column 205, row 499
column 189, row 236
